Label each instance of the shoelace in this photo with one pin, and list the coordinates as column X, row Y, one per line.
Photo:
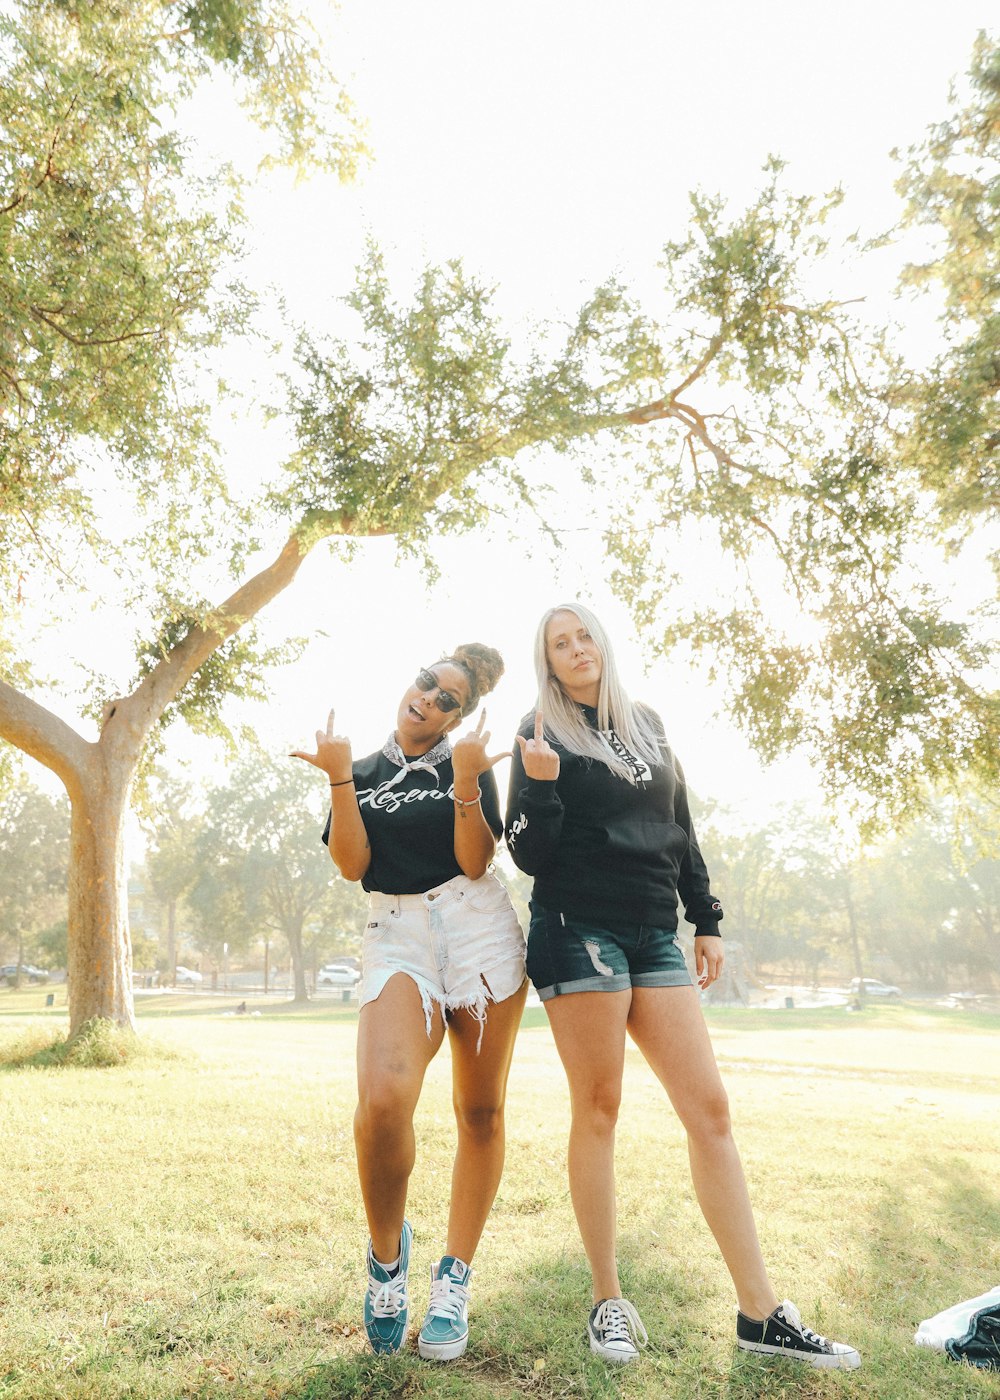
column 387, row 1299
column 447, row 1298
column 792, row 1315
column 618, row 1320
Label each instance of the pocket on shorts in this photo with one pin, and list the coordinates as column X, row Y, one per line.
column 487, row 895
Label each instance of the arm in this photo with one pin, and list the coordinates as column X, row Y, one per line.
column 475, row 842
column 701, row 908
column 348, row 840
column 534, row 808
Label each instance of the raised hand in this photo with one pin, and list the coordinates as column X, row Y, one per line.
column 539, row 758
column 333, row 754
column 469, row 757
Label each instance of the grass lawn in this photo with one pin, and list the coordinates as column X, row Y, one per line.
column 189, row 1225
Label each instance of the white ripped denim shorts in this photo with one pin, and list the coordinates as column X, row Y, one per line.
column 460, row 942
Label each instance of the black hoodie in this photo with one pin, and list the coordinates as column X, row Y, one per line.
column 609, row 849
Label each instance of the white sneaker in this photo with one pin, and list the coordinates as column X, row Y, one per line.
column 614, row 1329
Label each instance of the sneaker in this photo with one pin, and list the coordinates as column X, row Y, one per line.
column 386, row 1303
column 614, row 1330
column 783, row 1334
column 445, row 1332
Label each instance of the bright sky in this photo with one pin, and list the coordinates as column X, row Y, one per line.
column 549, row 145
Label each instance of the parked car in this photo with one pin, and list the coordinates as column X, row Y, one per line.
column 187, row 976
column 29, row 973
column 338, row 975
column 872, row 987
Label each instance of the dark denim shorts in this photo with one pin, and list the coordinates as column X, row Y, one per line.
column 567, row 955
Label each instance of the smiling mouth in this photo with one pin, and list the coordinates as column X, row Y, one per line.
column 416, row 713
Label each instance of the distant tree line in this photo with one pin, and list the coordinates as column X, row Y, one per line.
column 237, row 864
column 921, row 907
column 240, row 864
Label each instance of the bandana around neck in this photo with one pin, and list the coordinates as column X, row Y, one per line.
column 438, row 754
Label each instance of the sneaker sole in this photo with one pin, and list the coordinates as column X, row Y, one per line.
column 844, row 1361
column 442, row 1351
column 620, row 1358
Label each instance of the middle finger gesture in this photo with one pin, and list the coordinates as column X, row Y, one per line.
column 539, row 758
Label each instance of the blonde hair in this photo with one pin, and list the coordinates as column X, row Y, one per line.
column 634, row 724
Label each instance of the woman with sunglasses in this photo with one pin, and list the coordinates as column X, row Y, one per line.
column 598, row 814
column 417, row 823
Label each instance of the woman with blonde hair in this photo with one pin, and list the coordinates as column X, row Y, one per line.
column 598, row 813
column 417, row 823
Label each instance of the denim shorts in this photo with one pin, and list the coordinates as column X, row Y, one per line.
column 567, row 955
column 460, row 943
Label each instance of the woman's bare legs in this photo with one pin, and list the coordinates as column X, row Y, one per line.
column 394, row 1051
column 667, row 1025
column 479, row 1083
column 589, row 1031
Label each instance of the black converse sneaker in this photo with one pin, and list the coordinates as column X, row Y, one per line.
column 783, row 1334
column 613, row 1330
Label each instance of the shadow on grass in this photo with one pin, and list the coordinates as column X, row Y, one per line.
column 931, row 1242
column 534, row 1344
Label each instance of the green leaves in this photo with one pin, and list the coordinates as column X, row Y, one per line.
column 115, row 261
column 951, row 184
column 413, row 426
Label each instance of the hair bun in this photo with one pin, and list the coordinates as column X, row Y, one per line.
column 484, row 666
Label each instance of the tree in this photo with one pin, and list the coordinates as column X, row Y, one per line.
column 34, row 858
column 803, row 450
column 116, row 281
column 423, row 422
column 951, row 184
column 171, row 856
column 260, row 869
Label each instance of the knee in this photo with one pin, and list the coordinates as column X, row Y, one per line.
column 480, row 1122
column 384, row 1102
column 709, row 1121
column 597, row 1108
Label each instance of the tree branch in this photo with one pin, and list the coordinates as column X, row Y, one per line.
column 40, row 314
column 44, row 736
column 140, row 711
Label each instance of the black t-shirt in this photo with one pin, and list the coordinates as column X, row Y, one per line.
column 411, row 824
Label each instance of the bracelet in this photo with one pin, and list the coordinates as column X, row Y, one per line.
column 342, row 784
column 471, row 802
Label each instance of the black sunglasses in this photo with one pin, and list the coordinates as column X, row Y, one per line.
column 444, row 700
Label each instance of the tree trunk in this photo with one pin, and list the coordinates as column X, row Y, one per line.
column 100, row 952
column 294, row 936
column 98, row 778
column 172, row 942
column 852, row 925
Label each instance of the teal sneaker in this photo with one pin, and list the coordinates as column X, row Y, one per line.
column 445, row 1333
column 387, row 1307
